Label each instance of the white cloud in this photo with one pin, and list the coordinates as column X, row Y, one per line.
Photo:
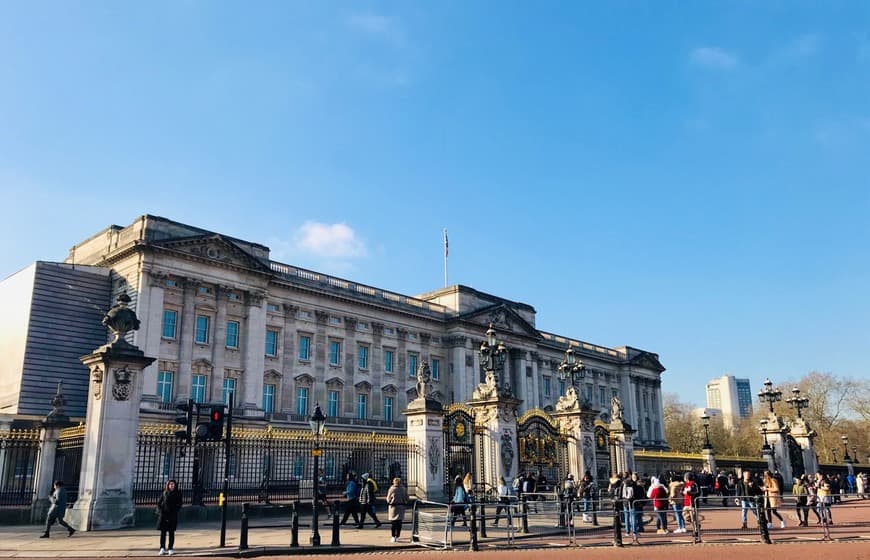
column 714, row 57
column 329, row 241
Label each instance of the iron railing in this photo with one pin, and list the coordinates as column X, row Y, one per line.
column 19, row 455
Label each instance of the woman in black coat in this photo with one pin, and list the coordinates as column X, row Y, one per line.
column 168, row 505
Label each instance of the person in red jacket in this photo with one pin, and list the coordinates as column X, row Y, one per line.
column 690, row 492
column 659, row 496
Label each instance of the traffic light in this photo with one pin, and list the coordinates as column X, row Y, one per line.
column 185, row 418
column 216, row 424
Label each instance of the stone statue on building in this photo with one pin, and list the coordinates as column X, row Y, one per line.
column 616, row 410
column 424, row 377
column 120, row 319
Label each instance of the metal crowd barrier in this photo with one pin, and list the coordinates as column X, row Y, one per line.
column 430, row 524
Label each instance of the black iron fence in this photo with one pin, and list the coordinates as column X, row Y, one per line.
column 19, row 455
column 267, row 465
column 68, row 459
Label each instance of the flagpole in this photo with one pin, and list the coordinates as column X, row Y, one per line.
column 445, row 257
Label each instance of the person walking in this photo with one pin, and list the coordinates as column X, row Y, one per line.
column 861, row 485
column 397, row 500
column 677, row 501
column 585, row 495
column 168, row 505
column 747, row 491
column 459, row 502
column 659, row 496
column 629, row 494
column 690, row 492
column 57, row 510
column 772, row 499
column 799, row 491
column 351, row 503
column 504, row 500
column 367, row 502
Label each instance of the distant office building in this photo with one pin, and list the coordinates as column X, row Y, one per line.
column 730, row 395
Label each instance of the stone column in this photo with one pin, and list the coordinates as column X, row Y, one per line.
column 5, row 429
column 578, row 423
column 804, row 437
column 425, row 429
column 150, row 301
column 255, row 353
column 45, row 470
column 214, row 389
column 112, row 425
column 709, row 461
column 290, row 357
column 779, row 457
column 186, row 338
column 457, row 368
column 621, row 435
column 497, row 418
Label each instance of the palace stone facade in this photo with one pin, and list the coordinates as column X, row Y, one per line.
column 221, row 316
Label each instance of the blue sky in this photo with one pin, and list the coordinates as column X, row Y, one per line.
column 686, row 178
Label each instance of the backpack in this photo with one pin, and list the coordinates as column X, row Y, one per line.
column 374, row 486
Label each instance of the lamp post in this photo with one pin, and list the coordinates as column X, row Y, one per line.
column 846, row 458
column 769, row 394
column 318, row 424
column 572, row 370
column 855, row 453
column 766, row 446
column 706, row 420
column 797, row 402
column 492, row 356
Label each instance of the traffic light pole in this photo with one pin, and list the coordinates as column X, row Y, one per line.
column 226, row 485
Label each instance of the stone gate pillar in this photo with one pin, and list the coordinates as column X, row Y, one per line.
column 804, row 437
column 709, row 461
column 623, row 443
column 496, row 417
column 778, row 457
column 425, row 429
column 577, row 421
column 53, row 423
column 111, row 428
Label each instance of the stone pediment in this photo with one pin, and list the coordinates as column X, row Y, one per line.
column 213, row 247
column 503, row 319
column 649, row 361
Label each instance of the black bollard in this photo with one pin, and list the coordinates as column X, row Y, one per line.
column 243, row 537
column 525, row 515
column 762, row 520
column 294, row 528
column 617, row 524
column 483, row 519
column 335, row 526
column 595, row 509
column 472, row 544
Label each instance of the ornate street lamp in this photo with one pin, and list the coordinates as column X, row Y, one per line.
column 855, row 453
column 797, row 402
column 318, row 425
column 769, row 394
column 766, row 446
column 846, row 458
column 572, row 370
column 492, row 356
column 706, row 420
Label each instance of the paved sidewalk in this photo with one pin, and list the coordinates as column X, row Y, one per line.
column 201, row 539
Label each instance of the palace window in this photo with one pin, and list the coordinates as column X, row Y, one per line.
column 170, row 320
column 197, row 388
column 164, row 386
column 229, row 388
column 332, row 404
column 361, row 406
column 436, row 369
column 268, row 398
column 388, row 409
column 334, row 353
column 363, row 356
column 271, row 343
column 202, row 326
column 302, row 401
column 412, row 364
column 232, row 334
column 304, row 348
column 388, row 361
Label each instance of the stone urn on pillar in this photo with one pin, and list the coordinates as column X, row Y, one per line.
column 105, row 498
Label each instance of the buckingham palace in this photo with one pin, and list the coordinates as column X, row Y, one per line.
column 221, row 317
